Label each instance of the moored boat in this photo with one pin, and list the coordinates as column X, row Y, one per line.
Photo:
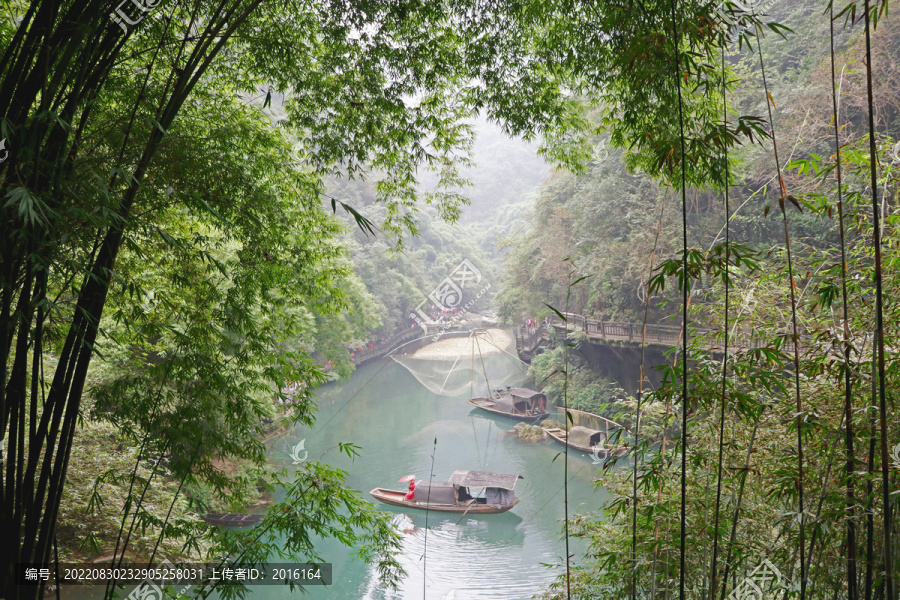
column 587, row 440
column 456, row 495
column 521, row 404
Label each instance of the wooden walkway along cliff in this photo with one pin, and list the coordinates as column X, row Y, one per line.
column 381, row 350
column 528, row 339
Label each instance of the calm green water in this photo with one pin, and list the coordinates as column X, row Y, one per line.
column 395, row 419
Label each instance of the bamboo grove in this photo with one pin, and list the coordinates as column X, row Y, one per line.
column 769, row 465
column 159, row 218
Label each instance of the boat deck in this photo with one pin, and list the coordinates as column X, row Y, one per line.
column 488, row 405
column 472, row 506
column 561, row 436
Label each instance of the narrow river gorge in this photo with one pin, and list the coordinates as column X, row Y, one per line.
column 391, row 410
column 399, row 423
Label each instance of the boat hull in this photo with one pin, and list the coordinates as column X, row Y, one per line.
column 555, row 433
column 398, row 498
column 487, row 405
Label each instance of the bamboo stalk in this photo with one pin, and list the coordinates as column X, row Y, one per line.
column 795, row 337
column 684, row 314
column 852, row 589
column 715, row 552
column 879, row 322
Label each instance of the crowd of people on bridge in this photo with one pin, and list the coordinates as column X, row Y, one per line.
column 531, row 324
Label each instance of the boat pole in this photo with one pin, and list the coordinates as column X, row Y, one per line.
column 472, row 381
column 505, row 352
column 483, row 369
column 467, row 510
column 427, row 508
column 450, row 372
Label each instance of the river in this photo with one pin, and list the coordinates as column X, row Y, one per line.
column 403, row 427
column 399, row 424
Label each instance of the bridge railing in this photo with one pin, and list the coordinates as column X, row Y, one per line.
column 668, row 335
column 655, row 332
column 528, row 336
column 388, row 345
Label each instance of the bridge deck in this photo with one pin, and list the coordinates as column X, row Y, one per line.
column 654, row 334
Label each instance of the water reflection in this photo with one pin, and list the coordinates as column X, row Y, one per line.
column 403, row 428
column 400, row 424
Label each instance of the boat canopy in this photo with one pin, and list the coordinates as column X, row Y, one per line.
column 509, row 404
column 589, row 419
column 435, row 492
column 585, row 436
column 480, row 479
column 524, row 393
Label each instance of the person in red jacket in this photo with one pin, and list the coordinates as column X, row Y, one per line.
column 412, row 490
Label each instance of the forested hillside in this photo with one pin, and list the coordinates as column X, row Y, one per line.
column 783, row 449
column 614, row 223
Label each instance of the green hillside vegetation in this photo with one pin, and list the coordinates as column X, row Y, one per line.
column 742, row 480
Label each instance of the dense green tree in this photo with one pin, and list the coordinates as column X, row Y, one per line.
column 101, row 117
column 750, row 449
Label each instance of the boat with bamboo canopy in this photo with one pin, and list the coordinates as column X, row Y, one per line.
column 521, row 404
column 460, row 494
column 595, row 442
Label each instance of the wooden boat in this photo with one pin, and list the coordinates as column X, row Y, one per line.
column 456, row 496
column 521, row 404
column 584, row 439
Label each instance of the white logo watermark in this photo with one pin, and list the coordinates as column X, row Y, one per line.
column 149, row 590
column 121, row 18
column 446, row 299
column 894, row 154
column 895, row 455
column 296, row 449
column 298, row 152
column 601, row 152
column 5, row 151
column 765, row 576
column 146, row 590
column 595, row 452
